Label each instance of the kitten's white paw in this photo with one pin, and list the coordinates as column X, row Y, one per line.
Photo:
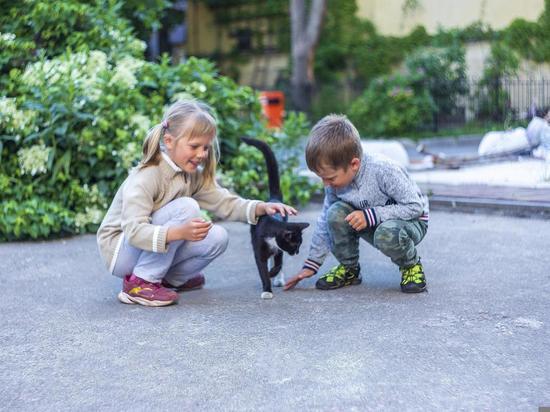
column 267, row 295
column 279, row 280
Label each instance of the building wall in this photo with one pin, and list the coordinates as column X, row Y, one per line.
column 204, row 37
column 391, row 19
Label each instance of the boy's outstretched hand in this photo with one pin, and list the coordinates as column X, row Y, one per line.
column 270, row 208
column 293, row 281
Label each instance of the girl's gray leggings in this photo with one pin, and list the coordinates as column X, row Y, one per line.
column 183, row 260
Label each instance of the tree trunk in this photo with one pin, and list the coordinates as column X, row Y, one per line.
column 305, row 30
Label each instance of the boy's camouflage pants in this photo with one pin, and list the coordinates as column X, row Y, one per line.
column 396, row 239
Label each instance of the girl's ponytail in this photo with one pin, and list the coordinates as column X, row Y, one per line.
column 151, row 147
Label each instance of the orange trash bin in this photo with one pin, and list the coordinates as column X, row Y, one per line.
column 273, row 107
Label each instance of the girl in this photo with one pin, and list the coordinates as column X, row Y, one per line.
column 153, row 235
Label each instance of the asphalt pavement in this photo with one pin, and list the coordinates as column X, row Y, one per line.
column 478, row 340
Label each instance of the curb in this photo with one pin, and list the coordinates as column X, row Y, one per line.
column 502, row 200
column 503, row 207
column 520, row 207
column 450, row 140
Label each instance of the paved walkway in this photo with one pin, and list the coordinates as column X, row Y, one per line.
column 518, row 188
column 478, row 340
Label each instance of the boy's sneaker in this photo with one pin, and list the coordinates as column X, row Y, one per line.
column 196, row 282
column 137, row 290
column 338, row 277
column 413, row 279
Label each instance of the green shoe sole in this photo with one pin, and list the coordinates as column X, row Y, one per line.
column 320, row 284
column 413, row 288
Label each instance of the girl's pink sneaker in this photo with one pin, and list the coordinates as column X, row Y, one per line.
column 142, row 292
column 196, row 282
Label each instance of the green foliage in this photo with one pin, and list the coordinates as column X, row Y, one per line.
column 46, row 29
column 442, row 73
column 340, row 35
column 503, row 61
column 352, row 44
column 477, row 31
column 494, row 101
column 72, row 120
column 380, row 54
column 146, row 15
column 247, row 172
column 391, row 106
column 530, row 39
column 34, row 218
column 351, row 54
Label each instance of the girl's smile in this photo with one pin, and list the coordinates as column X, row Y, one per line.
column 188, row 153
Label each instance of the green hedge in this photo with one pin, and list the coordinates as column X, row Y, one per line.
column 72, row 120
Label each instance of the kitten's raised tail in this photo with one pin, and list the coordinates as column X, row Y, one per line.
column 271, row 164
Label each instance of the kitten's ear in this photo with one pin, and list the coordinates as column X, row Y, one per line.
column 300, row 225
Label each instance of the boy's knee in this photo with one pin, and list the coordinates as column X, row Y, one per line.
column 388, row 236
column 336, row 214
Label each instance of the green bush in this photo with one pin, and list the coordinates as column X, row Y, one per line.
column 442, row 72
column 72, row 122
column 494, row 100
column 391, row 106
column 247, row 172
column 40, row 29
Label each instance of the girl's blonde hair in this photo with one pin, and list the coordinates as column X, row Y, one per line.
column 184, row 119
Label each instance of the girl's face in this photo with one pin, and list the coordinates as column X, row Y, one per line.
column 190, row 153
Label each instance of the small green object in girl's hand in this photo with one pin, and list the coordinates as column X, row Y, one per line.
column 206, row 215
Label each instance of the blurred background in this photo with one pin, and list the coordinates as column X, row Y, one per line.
column 82, row 81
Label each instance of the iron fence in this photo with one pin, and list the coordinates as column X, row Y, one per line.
column 504, row 100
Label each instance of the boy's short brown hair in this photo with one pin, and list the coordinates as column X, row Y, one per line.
column 334, row 142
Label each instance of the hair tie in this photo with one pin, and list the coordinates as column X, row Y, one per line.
column 164, row 124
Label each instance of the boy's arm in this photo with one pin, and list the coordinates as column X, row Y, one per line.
column 319, row 245
column 320, row 241
column 396, row 183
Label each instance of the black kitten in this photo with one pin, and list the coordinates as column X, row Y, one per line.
column 273, row 234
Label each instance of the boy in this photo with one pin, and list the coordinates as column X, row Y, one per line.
column 366, row 196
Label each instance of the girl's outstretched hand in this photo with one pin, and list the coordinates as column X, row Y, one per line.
column 193, row 230
column 270, row 208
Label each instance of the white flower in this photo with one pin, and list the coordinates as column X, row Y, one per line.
column 12, row 119
column 130, row 63
column 141, row 124
column 123, row 76
column 7, row 38
column 130, row 155
column 138, row 46
column 34, row 160
column 92, row 215
column 182, row 96
column 199, row 87
column 97, row 61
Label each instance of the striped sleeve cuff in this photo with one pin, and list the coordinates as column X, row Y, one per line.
column 425, row 217
column 251, row 217
column 159, row 239
column 370, row 216
column 312, row 265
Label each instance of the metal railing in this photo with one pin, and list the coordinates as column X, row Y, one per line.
column 504, row 100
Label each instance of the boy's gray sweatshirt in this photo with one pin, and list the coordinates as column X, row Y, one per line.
column 382, row 189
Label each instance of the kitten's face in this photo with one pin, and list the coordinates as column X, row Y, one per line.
column 290, row 239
